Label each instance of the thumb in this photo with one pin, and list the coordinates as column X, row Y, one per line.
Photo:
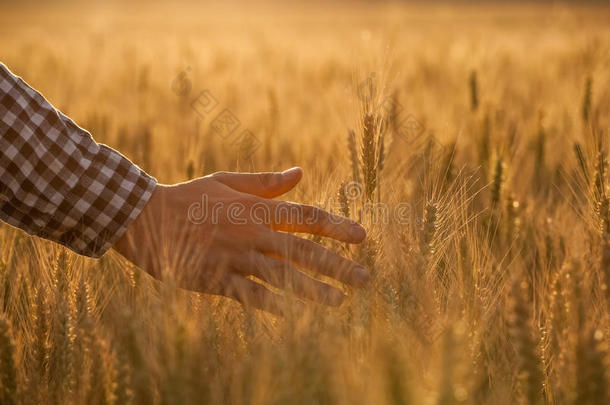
column 267, row 185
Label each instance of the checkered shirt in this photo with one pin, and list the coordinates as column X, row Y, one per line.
column 56, row 182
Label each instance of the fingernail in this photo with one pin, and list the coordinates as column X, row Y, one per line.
column 292, row 173
column 358, row 232
column 361, row 275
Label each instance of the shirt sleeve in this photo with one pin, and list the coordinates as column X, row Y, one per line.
column 56, row 182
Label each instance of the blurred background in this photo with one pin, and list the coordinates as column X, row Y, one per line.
column 113, row 63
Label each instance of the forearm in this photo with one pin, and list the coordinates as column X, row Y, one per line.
column 56, row 182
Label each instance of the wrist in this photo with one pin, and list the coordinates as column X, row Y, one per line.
column 132, row 244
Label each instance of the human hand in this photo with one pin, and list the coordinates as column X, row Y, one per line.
column 215, row 233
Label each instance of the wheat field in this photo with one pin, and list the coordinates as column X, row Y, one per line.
column 470, row 140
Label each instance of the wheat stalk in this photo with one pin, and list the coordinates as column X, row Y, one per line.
column 8, row 369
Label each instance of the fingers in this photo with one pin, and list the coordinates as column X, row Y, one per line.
column 252, row 294
column 291, row 217
column 286, row 216
column 285, row 276
column 314, row 257
column 266, row 185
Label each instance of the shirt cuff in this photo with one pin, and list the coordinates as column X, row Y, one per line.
column 118, row 191
column 140, row 186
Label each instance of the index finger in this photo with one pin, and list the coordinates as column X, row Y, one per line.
column 293, row 217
